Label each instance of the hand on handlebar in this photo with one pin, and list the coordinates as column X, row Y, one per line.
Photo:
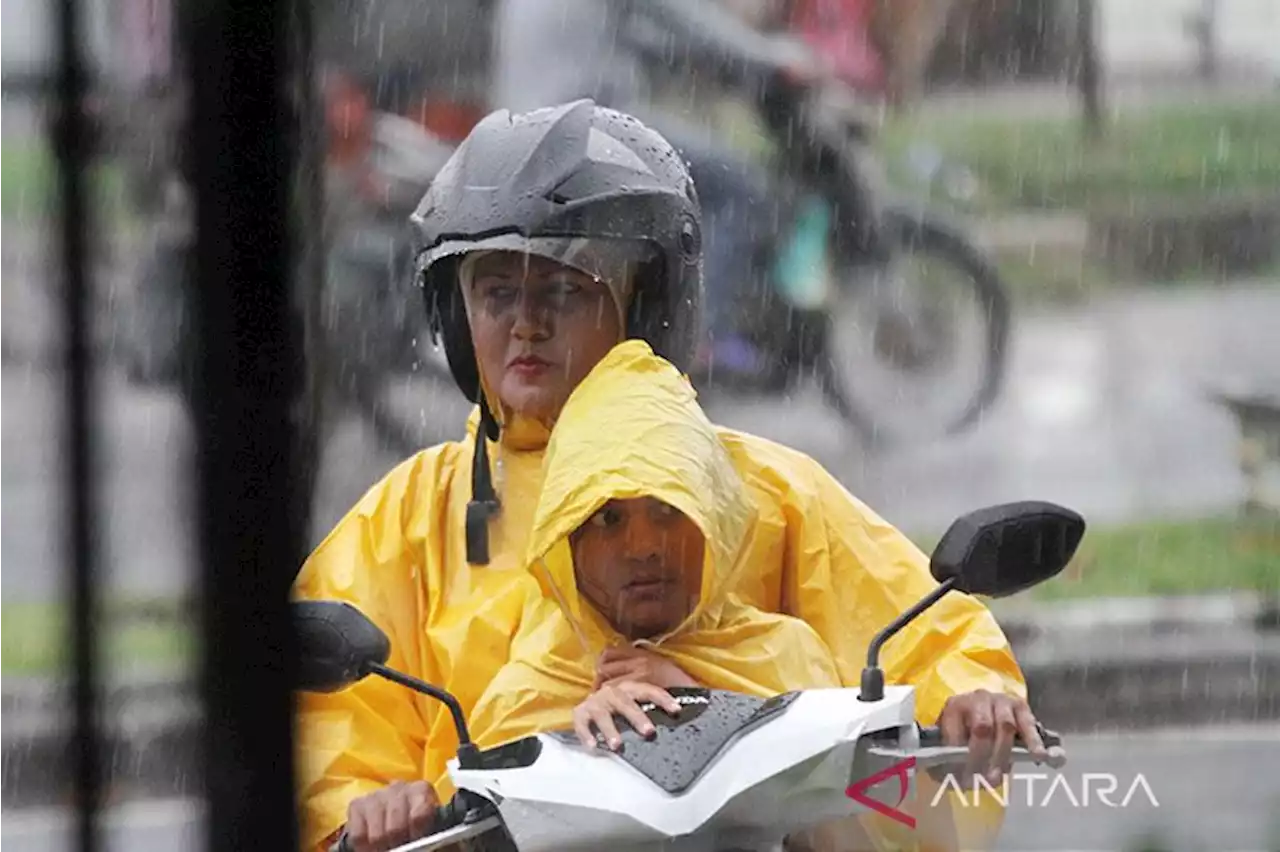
column 390, row 817
column 989, row 725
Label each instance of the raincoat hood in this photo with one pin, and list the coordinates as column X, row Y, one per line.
column 633, row 429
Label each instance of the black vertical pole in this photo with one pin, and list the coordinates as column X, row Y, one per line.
column 1089, row 68
column 73, row 150
column 246, row 383
column 311, row 216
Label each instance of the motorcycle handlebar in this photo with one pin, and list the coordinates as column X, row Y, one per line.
column 453, row 812
column 931, row 737
column 446, row 816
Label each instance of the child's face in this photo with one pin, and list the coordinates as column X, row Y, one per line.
column 639, row 562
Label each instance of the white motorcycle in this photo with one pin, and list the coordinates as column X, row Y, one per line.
column 731, row 773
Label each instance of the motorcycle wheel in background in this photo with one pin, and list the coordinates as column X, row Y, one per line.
column 915, row 325
column 916, row 346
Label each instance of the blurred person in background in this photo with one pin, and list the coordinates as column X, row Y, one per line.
column 840, row 30
column 880, row 48
column 906, row 33
column 378, row 46
column 555, row 51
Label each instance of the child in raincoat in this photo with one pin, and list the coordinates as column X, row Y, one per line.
column 641, row 528
column 633, row 453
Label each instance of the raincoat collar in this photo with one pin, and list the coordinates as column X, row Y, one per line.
column 633, row 428
column 522, row 434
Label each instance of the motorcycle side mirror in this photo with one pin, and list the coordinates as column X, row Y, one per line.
column 995, row 552
column 337, row 645
column 1002, row 550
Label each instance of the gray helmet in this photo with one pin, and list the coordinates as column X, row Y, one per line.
column 583, row 185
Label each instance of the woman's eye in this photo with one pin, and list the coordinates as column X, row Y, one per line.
column 565, row 282
column 563, row 288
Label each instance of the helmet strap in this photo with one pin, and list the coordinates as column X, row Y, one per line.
column 484, row 500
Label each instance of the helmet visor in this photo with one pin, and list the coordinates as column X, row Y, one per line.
column 611, row 261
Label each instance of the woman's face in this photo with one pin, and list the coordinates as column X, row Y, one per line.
column 538, row 327
column 639, row 562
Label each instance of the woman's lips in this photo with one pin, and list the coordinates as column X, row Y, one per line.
column 529, row 366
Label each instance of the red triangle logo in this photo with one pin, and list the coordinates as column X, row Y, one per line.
column 858, row 791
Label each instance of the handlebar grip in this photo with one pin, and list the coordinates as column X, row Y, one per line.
column 450, row 814
column 931, row 737
column 446, row 816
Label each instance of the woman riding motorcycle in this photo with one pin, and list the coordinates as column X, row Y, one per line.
column 591, row 231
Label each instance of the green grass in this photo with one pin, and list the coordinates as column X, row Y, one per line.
column 1169, row 558
column 36, row 640
column 29, row 182
column 1157, row 558
column 1172, row 153
column 1050, row 278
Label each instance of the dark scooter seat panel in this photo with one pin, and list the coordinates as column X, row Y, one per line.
column 685, row 745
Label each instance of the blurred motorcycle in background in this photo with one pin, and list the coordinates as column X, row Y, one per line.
column 867, row 295
column 374, row 328
column 893, row 313
column 867, row 298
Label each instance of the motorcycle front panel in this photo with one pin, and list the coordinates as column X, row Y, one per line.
column 689, row 743
column 779, row 775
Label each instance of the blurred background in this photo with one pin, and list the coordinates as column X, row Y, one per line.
column 960, row 251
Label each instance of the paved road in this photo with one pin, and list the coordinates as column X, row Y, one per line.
column 1103, row 412
column 1209, row 790
column 1213, row 791
column 168, row 825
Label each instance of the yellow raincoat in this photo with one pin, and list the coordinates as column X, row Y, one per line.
column 631, row 429
column 813, row 551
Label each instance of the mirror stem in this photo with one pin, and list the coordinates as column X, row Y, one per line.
column 468, row 754
column 872, row 676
